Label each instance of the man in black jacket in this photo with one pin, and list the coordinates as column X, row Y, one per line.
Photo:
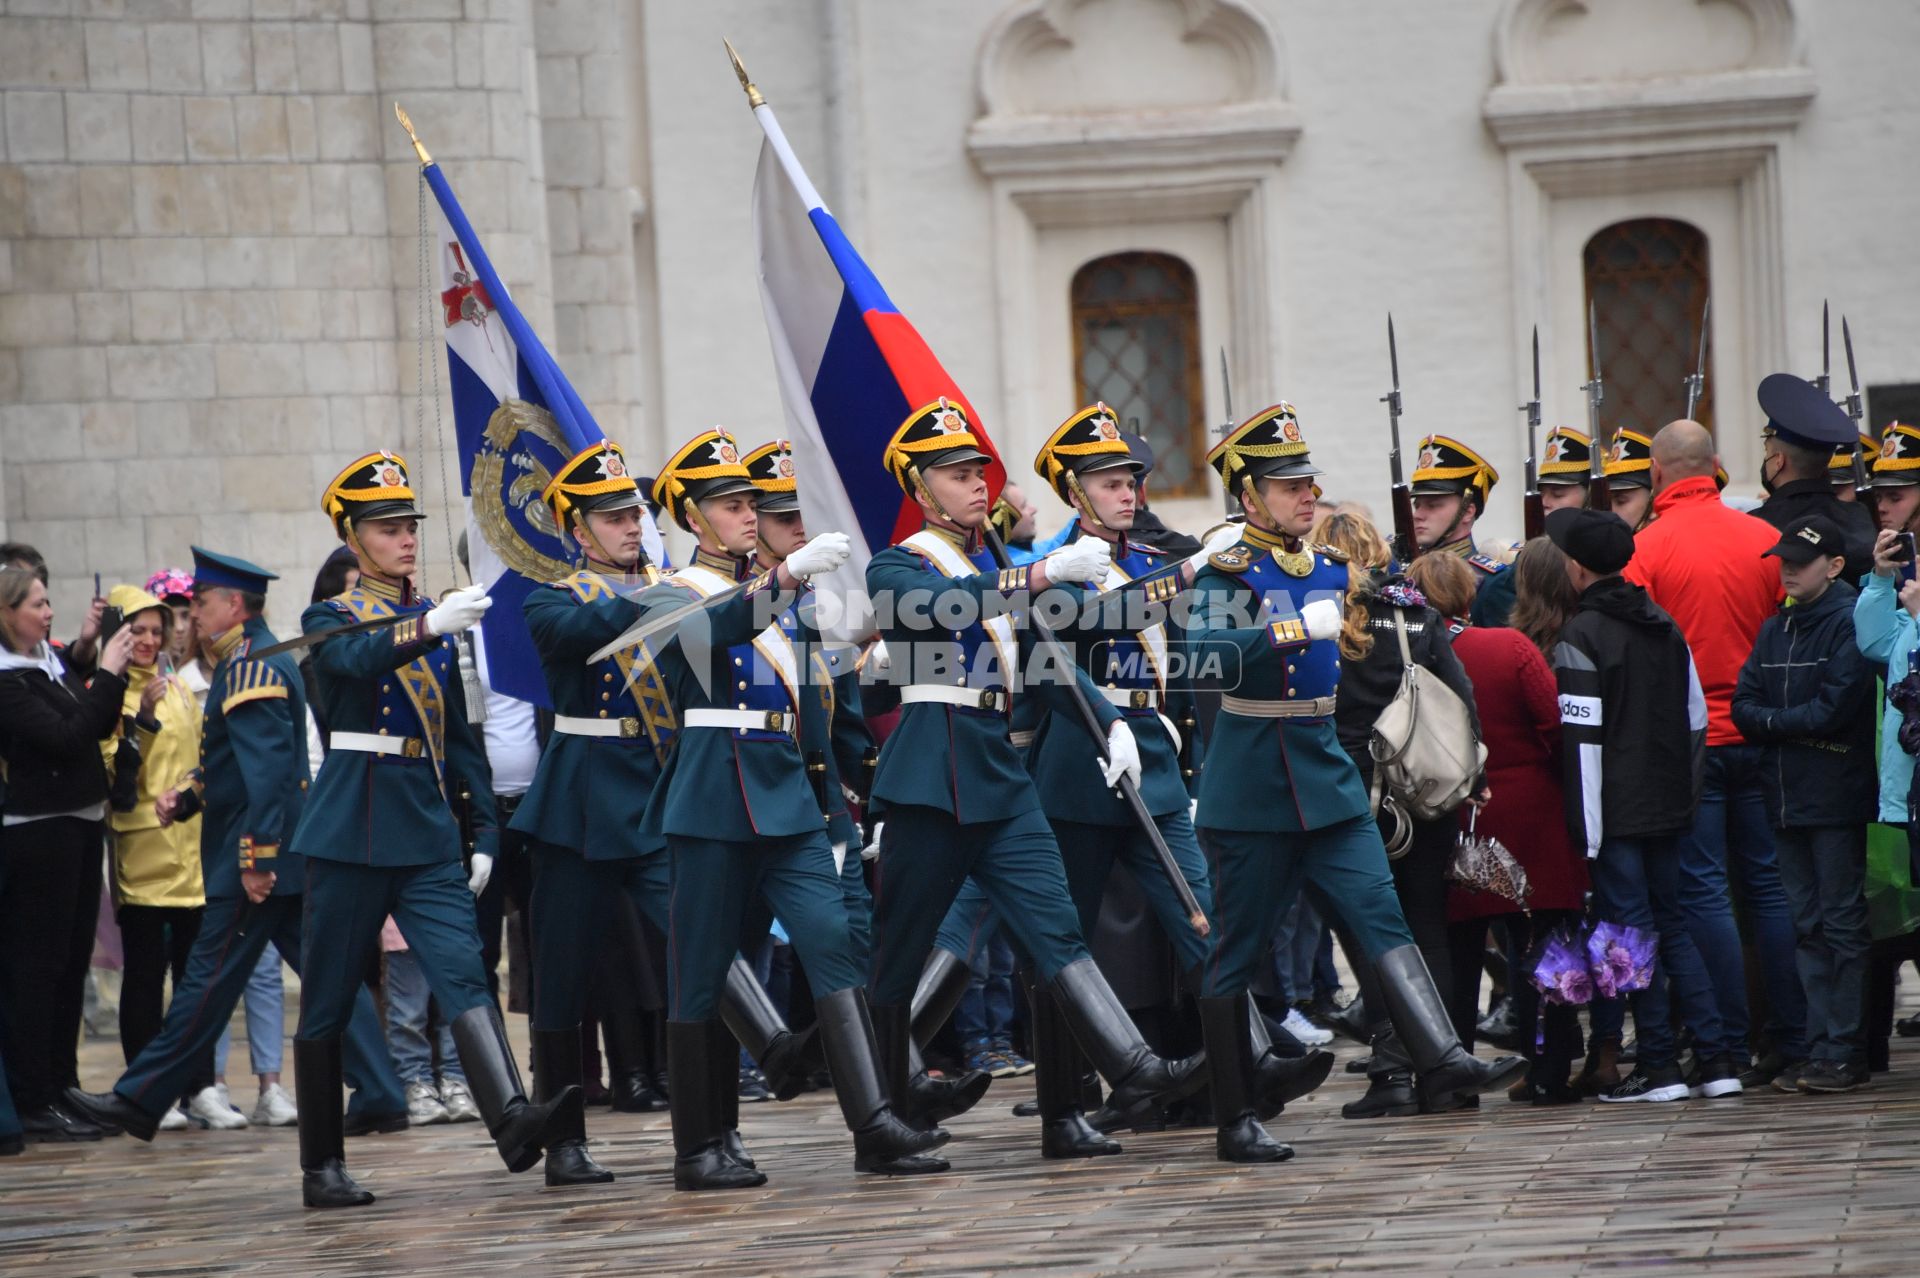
column 1803, row 428
column 1635, row 744
column 1806, row 696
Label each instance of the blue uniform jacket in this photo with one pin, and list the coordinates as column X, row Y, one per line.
column 590, row 793
column 253, row 765
column 958, row 758
column 392, row 809
column 1286, row 775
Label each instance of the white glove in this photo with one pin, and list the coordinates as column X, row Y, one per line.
column 459, row 611
column 1085, row 560
column 1225, row 537
column 1322, row 618
column 879, row 660
column 1123, row 756
column 871, row 852
column 482, row 871
column 821, row 554
column 839, row 857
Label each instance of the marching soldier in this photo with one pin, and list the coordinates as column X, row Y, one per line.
column 249, row 788
column 741, row 819
column 1450, row 487
column 380, row 837
column 1630, row 477
column 1292, row 808
column 1803, row 428
column 1840, row 468
column 1566, row 468
column 953, row 789
column 612, row 729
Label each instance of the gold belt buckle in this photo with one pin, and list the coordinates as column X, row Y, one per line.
column 989, row 699
column 776, row 721
column 629, row 728
column 1139, row 700
column 413, row 748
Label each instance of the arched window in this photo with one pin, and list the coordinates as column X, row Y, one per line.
column 1647, row 282
column 1136, row 346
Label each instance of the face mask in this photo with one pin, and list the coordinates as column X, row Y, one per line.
column 1767, row 480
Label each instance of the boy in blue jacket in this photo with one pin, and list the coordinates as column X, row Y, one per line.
column 1806, row 697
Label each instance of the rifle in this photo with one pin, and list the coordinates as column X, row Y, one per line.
column 1599, row 487
column 1856, row 409
column 1406, row 545
column 1697, row 379
column 1226, row 428
column 1534, row 514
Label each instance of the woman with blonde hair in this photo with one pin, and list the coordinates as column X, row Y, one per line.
column 1379, row 599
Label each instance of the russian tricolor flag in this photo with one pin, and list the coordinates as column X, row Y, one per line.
column 850, row 367
column 494, row 359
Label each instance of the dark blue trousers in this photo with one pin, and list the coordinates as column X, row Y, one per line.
column 573, row 918
column 233, row 934
column 346, row 905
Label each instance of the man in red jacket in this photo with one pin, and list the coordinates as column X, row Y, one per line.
column 1702, row 562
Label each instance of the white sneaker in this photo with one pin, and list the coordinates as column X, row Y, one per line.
column 423, row 1105
column 1305, row 1030
column 275, row 1108
column 207, row 1107
column 175, row 1120
column 459, row 1101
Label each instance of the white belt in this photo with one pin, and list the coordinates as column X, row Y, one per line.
column 1133, row 698
column 376, row 743
column 742, row 720
column 577, row 726
column 990, row 699
column 1318, row 708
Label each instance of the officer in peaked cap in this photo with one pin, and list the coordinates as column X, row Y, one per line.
column 743, row 822
column 380, row 835
column 249, row 788
column 1450, row 486
column 1840, row 468
column 1292, row 807
column 1803, row 429
column 1566, row 467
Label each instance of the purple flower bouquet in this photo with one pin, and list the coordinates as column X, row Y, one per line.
column 1620, row 958
column 1560, row 972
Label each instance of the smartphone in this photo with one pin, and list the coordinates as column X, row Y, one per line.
column 1904, row 556
column 111, row 619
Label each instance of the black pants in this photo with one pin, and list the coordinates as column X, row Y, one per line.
column 48, row 910
column 1420, row 881
column 510, row 888
column 1553, row 1041
column 156, row 940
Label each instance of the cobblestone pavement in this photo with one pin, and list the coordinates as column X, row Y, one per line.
column 1763, row 1184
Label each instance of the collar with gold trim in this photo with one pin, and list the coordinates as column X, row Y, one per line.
column 732, row 567
column 394, row 592
column 224, row 646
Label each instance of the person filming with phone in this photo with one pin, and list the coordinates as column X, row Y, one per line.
column 1884, row 614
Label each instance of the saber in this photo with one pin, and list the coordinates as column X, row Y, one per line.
column 313, row 637
column 1534, row 512
column 1856, row 409
column 1697, row 379
column 647, row 627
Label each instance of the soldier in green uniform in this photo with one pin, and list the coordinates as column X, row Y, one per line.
column 1566, row 469
column 379, row 835
column 612, row 729
column 955, row 793
column 1450, row 485
column 1292, row 807
column 742, row 821
column 249, row 788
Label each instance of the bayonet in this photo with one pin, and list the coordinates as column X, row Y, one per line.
column 1857, row 410
column 1599, row 490
column 1697, row 379
column 1826, row 353
column 1534, row 513
column 1226, row 427
column 1408, row 547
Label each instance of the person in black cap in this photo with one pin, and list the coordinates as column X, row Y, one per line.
column 1805, row 697
column 1803, row 428
column 1634, row 730
column 1147, row 525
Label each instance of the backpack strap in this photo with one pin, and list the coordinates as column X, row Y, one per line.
column 1400, row 633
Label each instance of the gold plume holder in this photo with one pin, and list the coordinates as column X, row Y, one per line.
column 754, row 96
column 406, row 122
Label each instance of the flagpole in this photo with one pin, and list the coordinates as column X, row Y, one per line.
column 776, row 136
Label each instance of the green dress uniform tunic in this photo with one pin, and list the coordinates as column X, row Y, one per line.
column 379, row 836
column 1288, row 804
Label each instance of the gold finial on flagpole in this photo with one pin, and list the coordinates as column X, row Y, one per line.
column 754, row 98
column 406, row 122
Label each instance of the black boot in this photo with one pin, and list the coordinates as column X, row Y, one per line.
column 1350, row 1020
column 882, row 1142
column 110, row 1111
column 1390, row 1090
column 780, row 1053
column 1139, row 1078
column 1064, row 1129
column 943, row 982
column 1239, row 1138
column 1422, row 1024
column 521, row 1129
column 917, row 1096
column 323, row 1139
column 556, row 1067
column 724, row 1050
column 629, row 1040
column 1279, row 1079
column 700, row 1159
